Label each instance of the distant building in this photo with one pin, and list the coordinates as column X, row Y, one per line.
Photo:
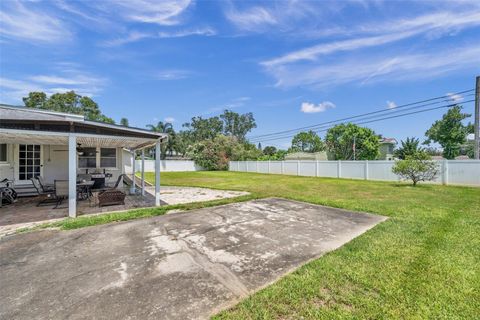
column 387, row 146
column 322, row 155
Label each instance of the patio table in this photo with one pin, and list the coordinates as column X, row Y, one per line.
column 84, row 189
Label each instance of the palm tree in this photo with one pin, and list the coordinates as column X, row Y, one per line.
column 164, row 127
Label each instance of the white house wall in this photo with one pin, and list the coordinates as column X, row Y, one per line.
column 55, row 164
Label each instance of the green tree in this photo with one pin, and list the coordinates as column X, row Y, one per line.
column 35, row 100
column 307, row 142
column 237, row 125
column 269, row 150
column 340, row 142
column 163, row 127
column 449, row 132
column 202, row 129
column 416, row 167
column 68, row 102
column 124, row 122
column 409, row 148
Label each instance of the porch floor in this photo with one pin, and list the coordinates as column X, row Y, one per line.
column 25, row 213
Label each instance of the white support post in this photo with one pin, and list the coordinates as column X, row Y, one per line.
column 298, row 167
column 445, row 172
column 339, row 168
column 143, row 172
column 316, row 168
column 269, row 166
column 281, row 167
column 366, row 169
column 246, row 165
column 157, row 174
column 72, row 176
column 133, row 187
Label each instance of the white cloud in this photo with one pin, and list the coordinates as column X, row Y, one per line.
column 391, row 105
column 453, row 97
column 165, row 12
column 381, row 67
column 83, row 83
column 172, row 74
column 137, row 36
column 169, row 119
column 207, row 31
column 19, row 22
column 308, row 107
column 252, row 18
column 432, row 25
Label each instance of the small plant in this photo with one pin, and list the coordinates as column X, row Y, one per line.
column 416, row 167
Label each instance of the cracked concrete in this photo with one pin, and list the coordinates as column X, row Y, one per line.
column 178, row 266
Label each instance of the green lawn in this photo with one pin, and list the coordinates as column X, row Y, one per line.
column 424, row 262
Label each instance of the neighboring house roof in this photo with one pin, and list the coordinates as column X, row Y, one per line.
column 388, row 140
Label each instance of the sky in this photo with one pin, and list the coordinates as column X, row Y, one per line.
column 291, row 63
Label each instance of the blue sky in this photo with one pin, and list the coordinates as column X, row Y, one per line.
column 291, row 63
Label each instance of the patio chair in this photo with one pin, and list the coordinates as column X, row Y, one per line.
column 45, row 186
column 49, row 195
column 61, row 191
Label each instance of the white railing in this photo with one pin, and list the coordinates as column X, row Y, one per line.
column 455, row 172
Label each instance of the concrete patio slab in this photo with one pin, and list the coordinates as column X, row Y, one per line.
column 178, row 266
column 26, row 214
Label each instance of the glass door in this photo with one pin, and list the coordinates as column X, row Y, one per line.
column 29, row 161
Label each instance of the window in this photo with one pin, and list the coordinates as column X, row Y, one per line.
column 3, row 152
column 97, row 158
column 28, row 161
column 108, row 157
column 87, row 158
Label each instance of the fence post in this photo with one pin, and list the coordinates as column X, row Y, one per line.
column 246, row 164
column 445, row 172
column 298, row 167
column 268, row 167
column 257, row 167
column 316, row 168
column 281, row 167
column 366, row 169
column 339, row 168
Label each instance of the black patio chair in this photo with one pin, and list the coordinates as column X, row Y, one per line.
column 45, row 186
column 49, row 195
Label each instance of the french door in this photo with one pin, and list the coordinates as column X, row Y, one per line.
column 29, row 161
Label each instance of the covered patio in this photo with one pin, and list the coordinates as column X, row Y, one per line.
column 67, row 147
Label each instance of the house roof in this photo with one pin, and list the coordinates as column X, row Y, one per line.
column 388, row 140
column 12, row 114
column 25, row 125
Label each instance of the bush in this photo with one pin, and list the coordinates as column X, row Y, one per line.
column 416, row 167
column 215, row 154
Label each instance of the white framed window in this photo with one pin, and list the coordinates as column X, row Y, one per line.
column 91, row 158
column 3, row 152
column 108, row 157
column 87, row 158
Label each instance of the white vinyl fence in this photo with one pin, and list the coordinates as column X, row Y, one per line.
column 457, row 172
column 165, row 166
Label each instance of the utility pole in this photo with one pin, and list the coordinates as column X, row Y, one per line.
column 477, row 119
column 354, row 148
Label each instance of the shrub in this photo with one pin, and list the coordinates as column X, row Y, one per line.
column 416, row 167
column 214, row 154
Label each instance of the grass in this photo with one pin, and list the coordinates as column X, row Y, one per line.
column 424, row 262
column 421, row 263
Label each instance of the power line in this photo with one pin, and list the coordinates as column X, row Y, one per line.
column 366, row 114
column 375, row 120
column 365, row 117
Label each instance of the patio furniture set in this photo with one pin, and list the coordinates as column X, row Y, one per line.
column 86, row 189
